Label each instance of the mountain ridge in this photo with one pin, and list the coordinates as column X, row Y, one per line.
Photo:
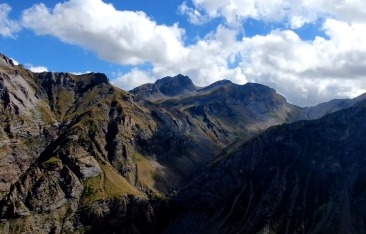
column 74, row 148
column 69, row 141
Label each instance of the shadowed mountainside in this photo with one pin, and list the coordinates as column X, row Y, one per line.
column 304, row 177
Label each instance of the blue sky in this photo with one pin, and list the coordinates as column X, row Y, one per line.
column 309, row 51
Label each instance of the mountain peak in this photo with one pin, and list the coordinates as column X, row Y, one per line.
column 216, row 85
column 178, row 79
column 6, row 61
column 166, row 87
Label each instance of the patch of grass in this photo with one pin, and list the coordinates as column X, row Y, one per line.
column 93, row 190
column 108, row 184
column 65, row 99
column 116, row 185
column 157, row 196
column 46, row 113
column 51, row 160
column 31, row 142
column 147, row 171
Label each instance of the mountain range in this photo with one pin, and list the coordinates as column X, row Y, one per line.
column 78, row 155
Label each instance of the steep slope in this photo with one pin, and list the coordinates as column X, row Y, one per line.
column 27, row 123
column 67, row 141
column 304, row 177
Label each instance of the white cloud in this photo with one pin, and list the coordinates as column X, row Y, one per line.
column 7, row 27
column 208, row 60
column 132, row 79
column 37, row 69
column 306, row 72
column 235, row 11
column 194, row 15
column 14, row 61
column 119, row 36
column 80, row 73
column 296, row 12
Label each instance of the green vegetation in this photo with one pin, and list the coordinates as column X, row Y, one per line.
column 46, row 113
column 65, row 99
column 115, row 184
column 147, row 171
column 108, row 184
column 51, row 160
column 157, row 196
column 93, row 190
column 31, row 142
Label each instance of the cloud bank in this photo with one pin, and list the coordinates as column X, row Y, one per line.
column 305, row 71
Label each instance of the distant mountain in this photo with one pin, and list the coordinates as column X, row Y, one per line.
column 226, row 110
column 334, row 105
column 165, row 88
column 304, row 177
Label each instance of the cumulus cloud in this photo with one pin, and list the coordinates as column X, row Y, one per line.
column 235, row 11
column 119, row 36
column 296, row 13
column 126, row 37
column 208, row 60
column 306, row 72
column 194, row 15
column 132, row 79
column 37, row 69
column 309, row 71
column 8, row 27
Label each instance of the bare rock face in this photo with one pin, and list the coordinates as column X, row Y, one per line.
column 53, row 150
column 41, row 190
column 27, row 124
column 6, row 62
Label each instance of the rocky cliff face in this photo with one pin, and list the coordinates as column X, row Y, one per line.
column 67, row 141
column 71, row 142
column 305, row 177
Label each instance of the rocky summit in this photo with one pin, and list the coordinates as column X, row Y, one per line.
column 78, row 155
